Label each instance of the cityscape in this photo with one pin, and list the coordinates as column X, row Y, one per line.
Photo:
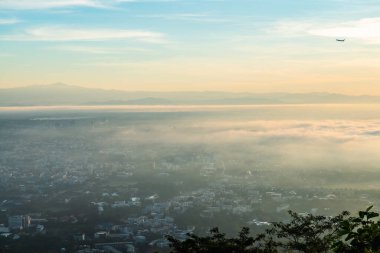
column 189, row 126
column 81, row 182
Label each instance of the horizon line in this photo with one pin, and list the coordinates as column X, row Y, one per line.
column 182, row 91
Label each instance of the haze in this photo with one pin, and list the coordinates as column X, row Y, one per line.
column 124, row 121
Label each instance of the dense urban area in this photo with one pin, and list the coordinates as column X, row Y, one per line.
column 90, row 182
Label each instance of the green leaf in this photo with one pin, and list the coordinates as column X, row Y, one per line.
column 371, row 215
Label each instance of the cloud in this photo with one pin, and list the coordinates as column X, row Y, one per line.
column 9, row 21
column 90, row 34
column 52, row 4
column 48, row 4
column 98, row 50
column 145, row 1
column 194, row 17
column 366, row 30
column 265, row 144
column 83, row 49
column 261, row 131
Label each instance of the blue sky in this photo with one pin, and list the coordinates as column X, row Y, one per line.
column 229, row 45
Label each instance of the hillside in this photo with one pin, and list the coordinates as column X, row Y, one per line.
column 63, row 94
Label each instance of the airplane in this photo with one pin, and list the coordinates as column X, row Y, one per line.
column 341, row 40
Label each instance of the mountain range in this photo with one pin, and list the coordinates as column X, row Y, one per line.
column 63, row 94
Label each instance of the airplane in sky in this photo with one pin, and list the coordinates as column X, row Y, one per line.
column 341, row 40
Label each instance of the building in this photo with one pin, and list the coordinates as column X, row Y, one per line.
column 19, row 222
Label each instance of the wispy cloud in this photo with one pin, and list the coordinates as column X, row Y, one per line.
column 9, row 21
column 47, row 4
column 97, row 50
column 59, row 33
column 195, row 17
column 150, row 1
column 366, row 30
column 50, row 4
column 345, row 138
column 115, row 64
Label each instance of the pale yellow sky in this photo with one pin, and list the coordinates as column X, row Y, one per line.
column 287, row 46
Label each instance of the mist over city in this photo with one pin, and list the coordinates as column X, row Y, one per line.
column 185, row 126
column 139, row 174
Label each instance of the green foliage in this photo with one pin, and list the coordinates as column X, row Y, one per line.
column 217, row 242
column 359, row 234
column 308, row 233
column 304, row 233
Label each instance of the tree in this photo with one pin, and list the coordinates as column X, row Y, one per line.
column 359, row 234
column 308, row 233
column 217, row 242
column 304, row 233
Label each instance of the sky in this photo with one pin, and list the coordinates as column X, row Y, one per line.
column 193, row 45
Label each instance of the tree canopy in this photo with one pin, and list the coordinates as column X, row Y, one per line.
column 306, row 233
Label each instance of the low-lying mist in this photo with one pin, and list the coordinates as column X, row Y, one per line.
column 340, row 150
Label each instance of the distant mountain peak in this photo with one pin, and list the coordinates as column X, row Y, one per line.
column 60, row 93
column 58, row 84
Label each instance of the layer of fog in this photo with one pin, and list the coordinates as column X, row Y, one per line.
column 335, row 146
column 281, row 144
